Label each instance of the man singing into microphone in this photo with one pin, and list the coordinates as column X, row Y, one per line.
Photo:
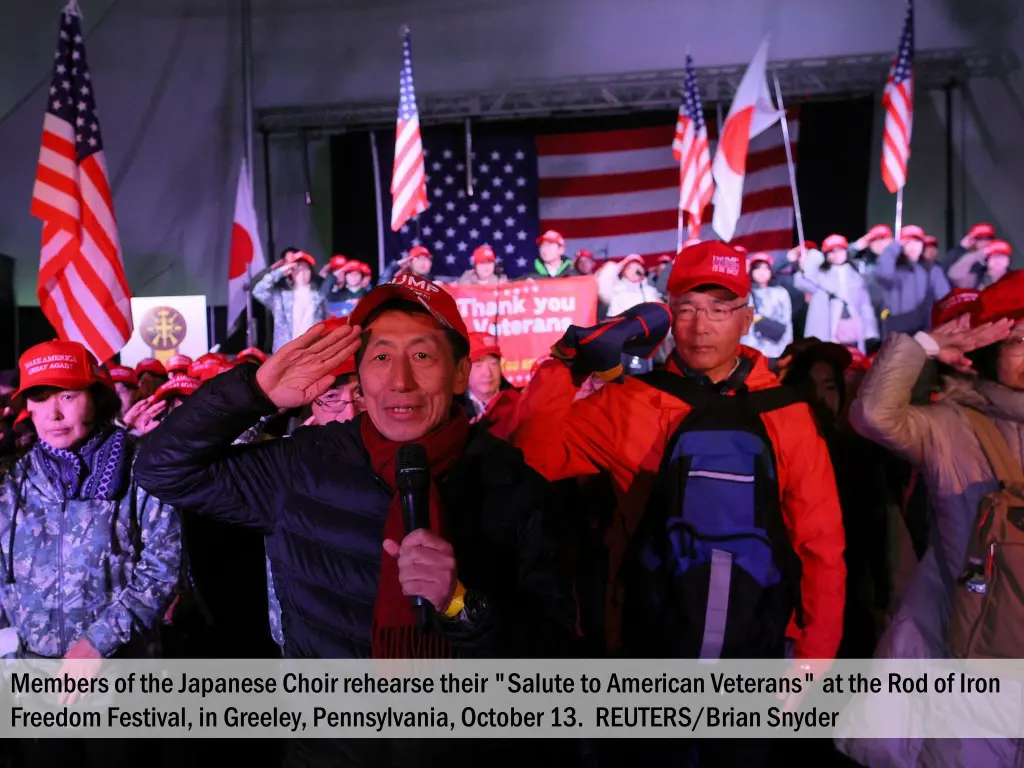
column 344, row 566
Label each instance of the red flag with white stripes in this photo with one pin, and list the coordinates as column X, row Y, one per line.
column 690, row 149
column 408, row 178
column 898, row 101
column 82, row 287
column 617, row 192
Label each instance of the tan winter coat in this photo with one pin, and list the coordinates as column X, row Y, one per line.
column 939, row 439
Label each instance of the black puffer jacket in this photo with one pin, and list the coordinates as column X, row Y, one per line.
column 322, row 509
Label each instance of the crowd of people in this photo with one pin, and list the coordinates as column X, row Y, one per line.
column 794, row 471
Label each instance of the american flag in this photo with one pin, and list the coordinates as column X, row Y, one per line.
column 690, row 149
column 617, row 192
column 501, row 212
column 898, row 101
column 408, row 180
column 82, row 288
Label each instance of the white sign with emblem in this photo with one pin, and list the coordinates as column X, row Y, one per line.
column 167, row 326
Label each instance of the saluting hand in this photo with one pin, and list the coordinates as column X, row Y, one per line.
column 302, row 369
column 956, row 338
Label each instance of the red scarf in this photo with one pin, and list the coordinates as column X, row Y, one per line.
column 395, row 631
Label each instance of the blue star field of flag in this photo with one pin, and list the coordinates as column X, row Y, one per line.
column 70, row 96
column 905, row 57
column 500, row 212
column 691, row 97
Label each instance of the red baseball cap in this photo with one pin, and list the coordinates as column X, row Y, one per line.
column 60, row 364
column 364, row 269
column 1003, row 299
column 809, row 245
column 633, row 258
column 301, row 256
column 209, row 369
column 432, row 297
column 691, row 241
column 959, row 301
column 251, row 355
column 760, row 256
column 123, row 375
column 998, row 248
column 179, row 364
column 151, row 365
column 483, row 255
column 336, row 262
column 551, row 237
column 833, row 243
column 912, row 232
column 879, row 232
column 481, row 345
column 740, row 249
column 419, row 250
column 982, row 230
column 931, row 241
column 22, row 417
column 583, row 253
column 709, row 263
column 183, row 386
column 665, row 259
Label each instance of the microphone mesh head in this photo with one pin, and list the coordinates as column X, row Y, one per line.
column 412, row 470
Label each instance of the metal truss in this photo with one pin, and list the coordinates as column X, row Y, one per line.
column 801, row 80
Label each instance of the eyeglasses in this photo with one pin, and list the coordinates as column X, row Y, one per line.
column 1016, row 342
column 716, row 313
column 335, row 403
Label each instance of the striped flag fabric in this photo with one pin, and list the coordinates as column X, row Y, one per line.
column 246, row 249
column 82, row 288
column 690, row 149
column 898, row 101
column 617, row 192
column 408, row 177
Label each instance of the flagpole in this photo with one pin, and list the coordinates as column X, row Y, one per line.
column 469, row 159
column 380, row 203
column 250, row 318
column 899, row 213
column 792, row 166
column 679, row 222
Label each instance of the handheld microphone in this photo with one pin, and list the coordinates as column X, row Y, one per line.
column 412, row 476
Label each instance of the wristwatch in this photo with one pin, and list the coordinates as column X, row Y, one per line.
column 468, row 607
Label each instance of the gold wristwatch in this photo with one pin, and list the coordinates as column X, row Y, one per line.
column 458, row 601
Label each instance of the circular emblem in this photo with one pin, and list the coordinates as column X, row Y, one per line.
column 163, row 328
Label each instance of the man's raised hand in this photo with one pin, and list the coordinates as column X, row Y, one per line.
column 302, row 369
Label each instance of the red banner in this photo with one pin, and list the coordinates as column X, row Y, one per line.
column 528, row 317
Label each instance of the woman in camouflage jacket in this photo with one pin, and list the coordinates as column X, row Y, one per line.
column 89, row 561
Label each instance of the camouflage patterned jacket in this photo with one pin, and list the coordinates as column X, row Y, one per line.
column 103, row 570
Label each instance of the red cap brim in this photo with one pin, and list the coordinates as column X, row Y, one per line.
column 392, row 291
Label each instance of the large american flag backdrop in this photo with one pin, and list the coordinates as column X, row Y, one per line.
column 82, row 288
column 611, row 192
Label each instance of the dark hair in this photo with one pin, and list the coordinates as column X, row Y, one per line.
column 289, row 249
column 986, row 361
column 9, row 378
column 458, row 345
column 799, row 377
column 105, row 403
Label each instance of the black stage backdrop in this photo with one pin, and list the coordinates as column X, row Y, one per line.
column 833, row 157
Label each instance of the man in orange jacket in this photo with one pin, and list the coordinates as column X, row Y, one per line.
column 625, row 427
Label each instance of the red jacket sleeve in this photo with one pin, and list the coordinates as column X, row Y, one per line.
column 609, row 430
column 814, row 520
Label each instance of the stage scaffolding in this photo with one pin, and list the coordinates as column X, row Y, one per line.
column 801, row 80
